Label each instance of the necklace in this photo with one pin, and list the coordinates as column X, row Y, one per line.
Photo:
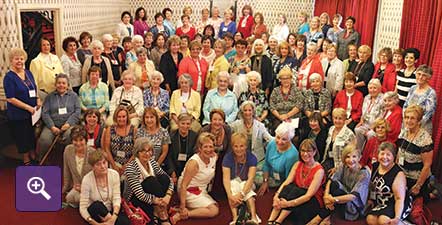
column 106, row 184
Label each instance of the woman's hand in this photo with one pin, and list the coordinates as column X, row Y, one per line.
column 284, row 203
column 39, row 103
column 263, row 189
column 283, row 117
column 276, row 203
column 415, row 189
column 55, row 130
column 184, row 213
column 235, row 200
column 30, row 109
column 328, row 199
column 393, row 221
column 65, row 127
column 331, row 171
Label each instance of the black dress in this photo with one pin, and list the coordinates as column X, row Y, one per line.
column 170, row 70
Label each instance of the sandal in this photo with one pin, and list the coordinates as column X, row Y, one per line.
column 270, row 222
column 166, row 221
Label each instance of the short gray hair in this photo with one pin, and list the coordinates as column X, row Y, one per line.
column 254, row 74
column 315, row 76
column 312, row 44
column 425, row 69
column 97, row 44
column 223, row 74
column 137, row 38
column 107, row 37
column 375, row 81
column 391, row 95
column 156, row 74
column 62, row 76
column 243, row 105
column 285, row 129
column 187, row 77
column 140, row 145
column 141, row 50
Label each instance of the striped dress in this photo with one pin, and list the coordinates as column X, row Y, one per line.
column 404, row 84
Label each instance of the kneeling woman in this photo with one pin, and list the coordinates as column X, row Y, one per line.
column 301, row 193
column 195, row 202
column 100, row 193
column 239, row 169
column 148, row 186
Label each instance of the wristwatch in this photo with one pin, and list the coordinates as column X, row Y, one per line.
column 336, row 200
column 89, row 219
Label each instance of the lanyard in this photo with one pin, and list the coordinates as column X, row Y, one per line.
column 65, row 102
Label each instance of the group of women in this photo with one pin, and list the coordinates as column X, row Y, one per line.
column 215, row 106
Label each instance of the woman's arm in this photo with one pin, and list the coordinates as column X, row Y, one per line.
column 250, row 178
column 189, row 172
column 106, row 143
column 399, row 187
column 226, row 181
column 312, row 189
column 427, row 159
column 163, row 155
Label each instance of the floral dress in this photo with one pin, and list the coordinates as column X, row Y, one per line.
column 260, row 100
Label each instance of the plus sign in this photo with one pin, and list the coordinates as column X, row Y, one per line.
column 35, row 185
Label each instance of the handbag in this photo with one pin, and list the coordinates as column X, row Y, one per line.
column 420, row 214
column 135, row 214
column 126, row 104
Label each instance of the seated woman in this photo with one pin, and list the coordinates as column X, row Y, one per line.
column 415, row 152
column 158, row 136
column 310, row 65
column 339, row 136
column 256, row 95
column 129, row 96
column 221, row 98
column 94, row 129
column 181, row 147
column 239, row 169
column 347, row 190
column 195, row 202
column 388, row 190
column 75, row 165
column 393, row 114
column 119, row 140
column 94, row 94
column 301, row 192
column 316, row 131
column 101, row 181
column 148, row 186
column 281, row 154
column 255, row 131
column 372, row 108
column 370, row 152
column 157, row 97
column 318, row 99
column 142, row 68
column 350, row 100
column 61, row 111
column 185, row 100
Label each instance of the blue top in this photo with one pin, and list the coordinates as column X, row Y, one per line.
column 17, row 88
column 223, row 29
column 304, row 28
column 161, row 101
column 51, row 114
column 238, row 169
column 281, row 163
column 228, row 103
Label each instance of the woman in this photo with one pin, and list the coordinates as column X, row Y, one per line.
column 317, row 131
column 262, row 64
column 415, row 152
column 187, row 10
column 99, row 182
column 128, row 96
column 333, row 71
column 85, row 40
column 169, row 64
column 240, row 65
column 406, row 78
column 334, row 31
column 112, row 55
column 363, row 70
column 22, row 102
column 195, row 202
column 167, row 22
column 352, row 50
column 301, row 193
column 184, row 46
column 285, row 60
column 131, row 56
column 388, row 190
column 61, row 111
column 351, row 100
column 310, row 65
column 181, row 147
column 347, row 190
column 315, row 33
column 207, row 53
column 246, row 22
column 127, row 46
column 75, row 165
column 158, row 136
column 280, row 156
column 159, row 27
column 398, row 58
column 339, row 136
column 255, row 131
column 186, row 29
column 393, row 114
column 119, row 140
column 372, row 108
column 370, row 153
column 125, row 28
column 221, row 98
column 272, row 50
column 96, row 59
column 346, row 37
column 45, row 67
column 159, row 49
column 230, row 43
column 71, row 64
column 299, row 53
column 94, row 94
column 239, row 169
column 423, row 95
column 228, row 25
column 303, row 26
column 257, row 96
column 201, row 24
column 148, row 186
column 94, row 128
column 195, row 66
column 140, row 25
column 142, row 69
column 318, row 99
column 286, row 101
column 258, row 28
column 157, row 98
column 291, row 39
column 218, row 64
column 281, row 30
column 324, row 23
column 385, row 71
column 209, row 30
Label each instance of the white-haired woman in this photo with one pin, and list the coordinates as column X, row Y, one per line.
column 262, row 64
column 257, row 96
column 108, row 52
column 131, row 56
column 157, row 98
column 372, row 108
column 142, row 69
column 310, row 65
column 219, row 64
column 96, row 59
column 318, row 99
column 221, row 98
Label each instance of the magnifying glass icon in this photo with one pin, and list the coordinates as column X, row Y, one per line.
column 36, row 185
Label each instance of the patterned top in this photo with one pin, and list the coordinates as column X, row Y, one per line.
column 122, row 146
column 409, row 152
column 94, row 98
column 285, row 103
column 425, row 100
column 404, row 84
column 342, row 139
column 372, row 111
column 291, row 62
column 237, row 63
column 161, row 101
column 314, row 37
column 318, row 101
column 158, row 139
column 259, row 98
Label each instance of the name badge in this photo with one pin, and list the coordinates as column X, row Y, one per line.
column 401, row 160
column 121, row 154
column 90, row 142
column 211, row 68
column 62, row 111
column 114, row 62
column 330, row 154
column 276, row 176
column 225, row 29
column 32, row 94
column 182, row 157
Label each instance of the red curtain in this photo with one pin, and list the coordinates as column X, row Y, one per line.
column 364, row 11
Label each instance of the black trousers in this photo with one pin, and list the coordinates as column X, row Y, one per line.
column 339, row 208
column 97, row 209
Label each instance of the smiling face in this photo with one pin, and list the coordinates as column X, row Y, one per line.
column 292, row 40
column 385, row 158
column 159, row 20
column 397, row 59
column 145, row 154
column 184, row 44
column 410, row 60
column 239, row 147
column 248, row 112
column 126, row 19
column 219, row 50
column 61, row 85
column 311, row 50
column 389, row 104
column 96, row 51
column 422, row 78
column 314, row 124
column 339, row 121
column 217, row 121
column 411, row 120
column 331, row 53
column 150, row 120
column 373, row 90
column 207, row 149
column 168, row 15
column 314, row 23
column 127, row 46
column 155, row 81
column 223, row 83
column 128, row 81
column 45, row 47
column 381, row 131
column 349, row 85
column 307, row 154
column 206, row 44
column 184, row 126
column 349, row 24
column 72, row 48
column 282, row 141
column 352, row 159
column 174, row 47
column 17, row 62
column 79, row 143
column 141, row 58
column 253, row 82
column 352, row 51
column 91, row 119
column 195, row 51
column 284, row 50
column 316, row 85
column 122, row 118
column 363, row 54
column 85, row 42
column 259, row 48
column 94, row 77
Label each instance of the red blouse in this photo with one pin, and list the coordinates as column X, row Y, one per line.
column 356, row 103
column 188, row 65
column 316, row 67
column 191, row 33
column 389, row 82
column 247, row 29
column 395, row 122
column 259, row 30
column 370, row 153
column 302, row 182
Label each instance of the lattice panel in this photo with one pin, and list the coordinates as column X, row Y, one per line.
column 388, row 25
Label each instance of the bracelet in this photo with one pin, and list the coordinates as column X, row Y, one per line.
column 266, row 180
column 115, row 213
column 242, row 194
